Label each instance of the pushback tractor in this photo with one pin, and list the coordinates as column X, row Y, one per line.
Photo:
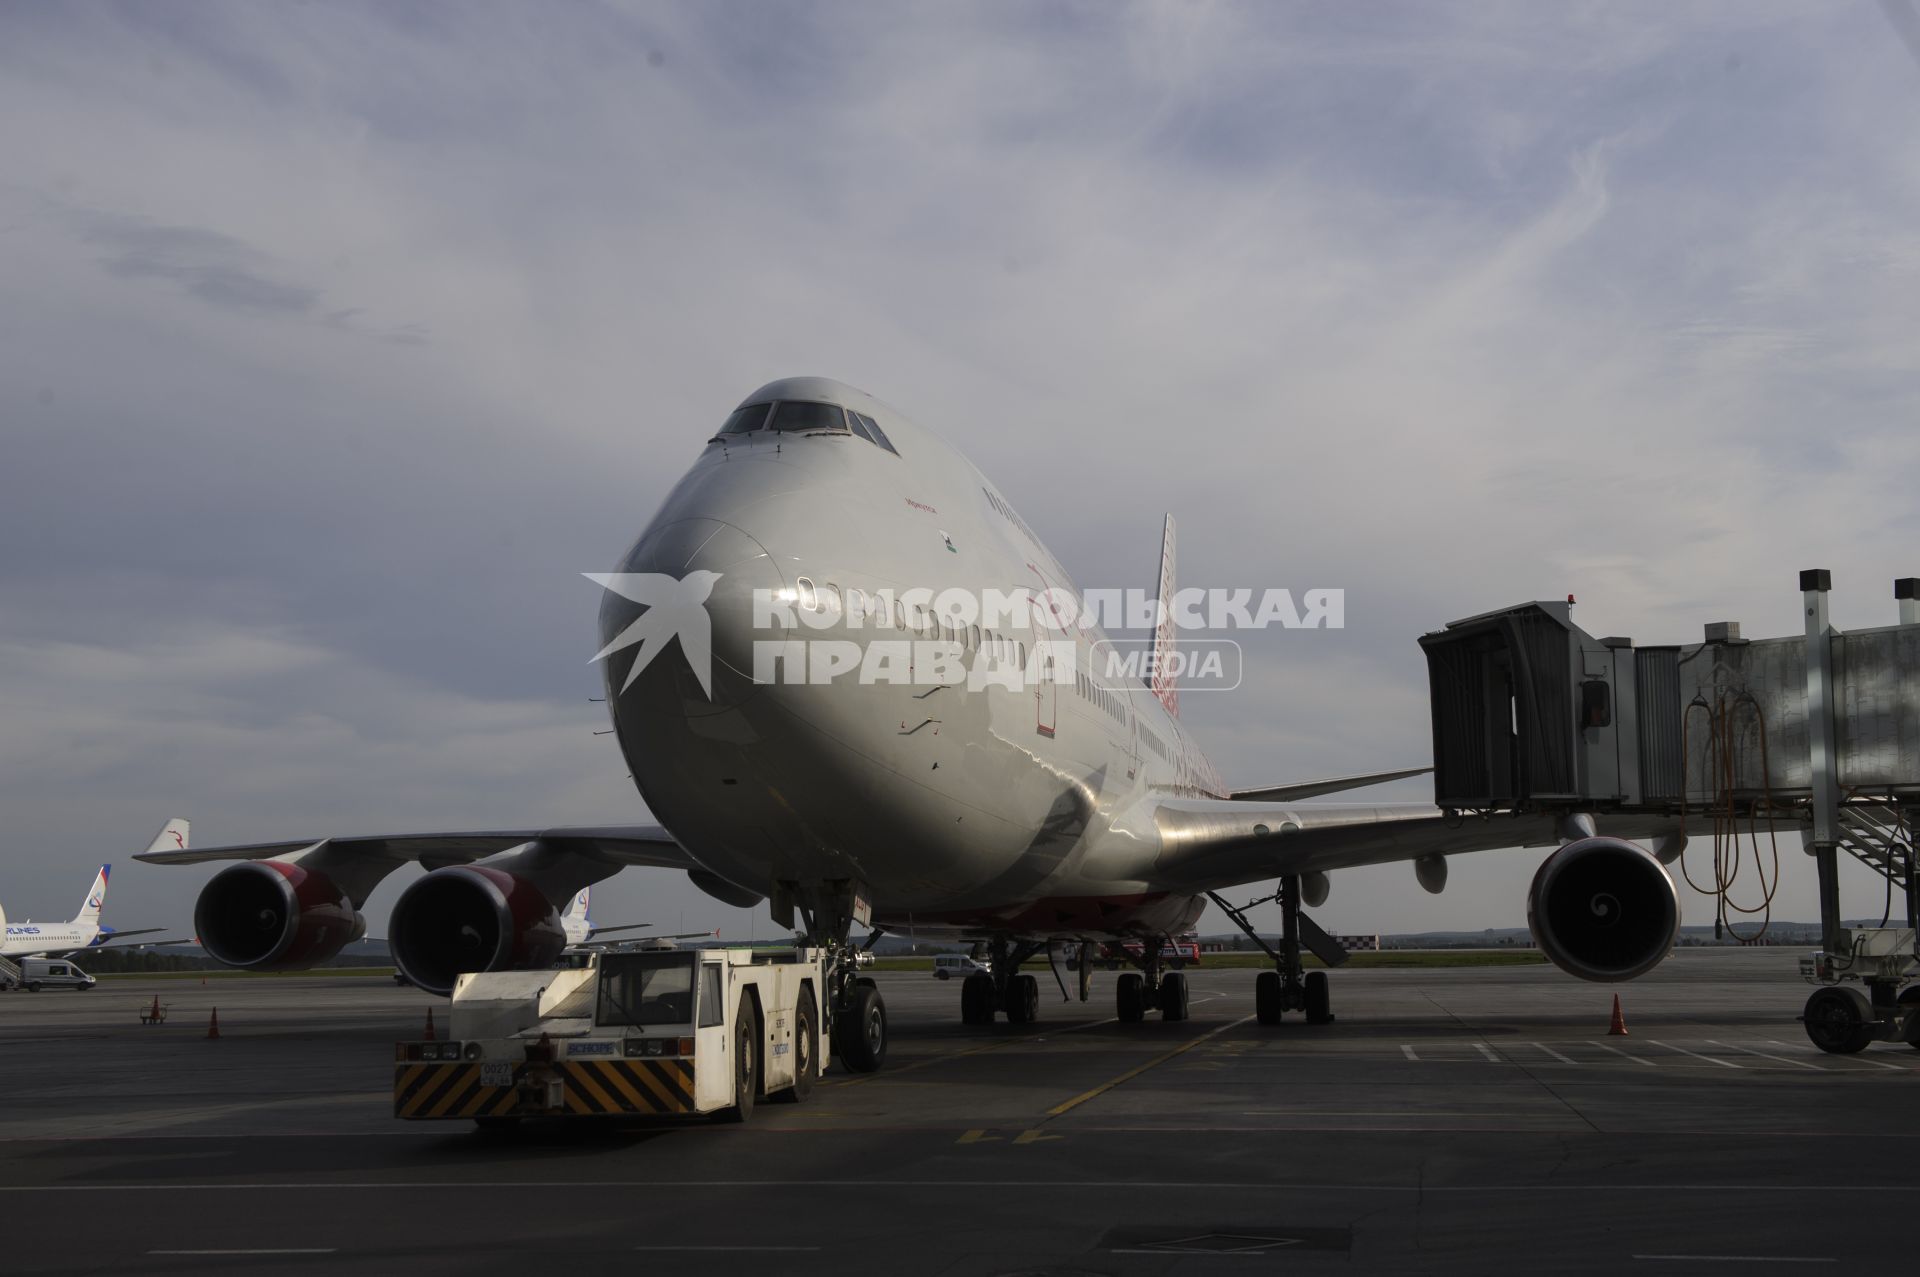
column 649, row 1033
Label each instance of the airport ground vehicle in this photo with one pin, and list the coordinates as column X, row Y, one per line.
column 53, row 973
column 957, row 966
column 638, row 1033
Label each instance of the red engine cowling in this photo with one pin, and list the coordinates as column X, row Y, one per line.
column 470, row 918
column 269, row 915
column 1603, row 909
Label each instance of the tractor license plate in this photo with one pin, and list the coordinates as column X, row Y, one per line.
column 500, row 1074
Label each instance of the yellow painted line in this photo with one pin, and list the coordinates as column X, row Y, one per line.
column 977, row 1137
column 1074, row 1103
column 1034, row 1137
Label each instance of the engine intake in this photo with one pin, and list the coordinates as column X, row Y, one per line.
column 1603, row 909
column 469, row 918
column 272, row 915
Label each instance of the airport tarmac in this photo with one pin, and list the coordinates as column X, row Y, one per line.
column 1451, row 1120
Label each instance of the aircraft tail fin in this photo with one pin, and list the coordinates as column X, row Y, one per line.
column 577, row 908
column 1163, row 679
column 172, row 837
column 96, row 900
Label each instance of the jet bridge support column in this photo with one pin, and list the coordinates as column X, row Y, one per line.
column 1823, row 757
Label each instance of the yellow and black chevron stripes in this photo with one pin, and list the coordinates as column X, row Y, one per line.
column 628, row 1086
column 447, row 1090
column 589, row 1087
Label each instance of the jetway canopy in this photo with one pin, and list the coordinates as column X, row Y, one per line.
column 1531, row 711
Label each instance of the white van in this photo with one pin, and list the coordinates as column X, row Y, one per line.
column 53, row 973
column 957, row 966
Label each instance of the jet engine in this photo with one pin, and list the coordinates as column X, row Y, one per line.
column 273, row 915
column 1603, row 909
column 470, row 918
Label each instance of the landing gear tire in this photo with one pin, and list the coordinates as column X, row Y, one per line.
column 1023, row 1000
column 1173, row 996
column 1839, row 1020
column 746, row 1063
column 1319, row 999
column 976, row 1000
column 1910, row 999
column 806, row 1051
column 1266, row 997
column 1129, row 998
column 860, row 1031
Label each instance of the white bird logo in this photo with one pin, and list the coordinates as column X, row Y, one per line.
column 676, row 606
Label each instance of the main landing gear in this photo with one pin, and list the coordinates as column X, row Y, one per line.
column 1290, row 987
column 1149, row 989
column 984, row 995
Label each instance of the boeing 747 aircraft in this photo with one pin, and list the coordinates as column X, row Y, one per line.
column 815, row 725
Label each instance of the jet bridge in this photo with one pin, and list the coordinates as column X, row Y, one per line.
column 1815, row 733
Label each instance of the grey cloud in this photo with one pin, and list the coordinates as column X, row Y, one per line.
column 220, row 270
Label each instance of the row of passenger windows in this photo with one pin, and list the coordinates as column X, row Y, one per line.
column 1006, row 512
column 873, row 610
column 795, row 416
column 1108, row 702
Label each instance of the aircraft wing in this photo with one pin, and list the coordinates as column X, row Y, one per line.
column 591, row 943
column 1212, row 844
column 115, row 936
column 620, row 844
column 625, row 926
column 1297, row 790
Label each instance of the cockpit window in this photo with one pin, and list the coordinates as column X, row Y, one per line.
column 873, row 428
column 751, row 417
column 797, row 415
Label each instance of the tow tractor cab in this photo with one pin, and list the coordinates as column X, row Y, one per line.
column 632, row 1033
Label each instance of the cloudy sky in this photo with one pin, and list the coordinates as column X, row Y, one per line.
column 336, row 341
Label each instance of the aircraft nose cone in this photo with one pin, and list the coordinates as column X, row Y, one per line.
column 682, row 605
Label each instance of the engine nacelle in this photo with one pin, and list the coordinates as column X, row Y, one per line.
column 1603, row 909
column 470, row 918
column 273, row 915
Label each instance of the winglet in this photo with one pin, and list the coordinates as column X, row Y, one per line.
column 1162, row 680
column 172, row 837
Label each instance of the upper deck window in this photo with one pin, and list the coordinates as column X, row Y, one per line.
column 795, row 415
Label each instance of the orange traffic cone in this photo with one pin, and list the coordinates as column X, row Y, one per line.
column 1618, row 1029
column 213, row 1024
column 153, row 1016
column 429, row 1033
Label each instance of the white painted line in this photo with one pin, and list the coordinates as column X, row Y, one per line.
column 1623, row 1055
column 1710, row 1059
column 1798, row 1064
column 1555, row 1054
column 262, row 1250
column 1855, row 1059
column 985, row 1185
column 1746, row 1259
column 730, row 1249
column 1408, row 1052
column 1487, row 1051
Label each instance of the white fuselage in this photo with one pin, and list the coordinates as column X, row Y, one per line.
column 1002, row 808
column 25, row 939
